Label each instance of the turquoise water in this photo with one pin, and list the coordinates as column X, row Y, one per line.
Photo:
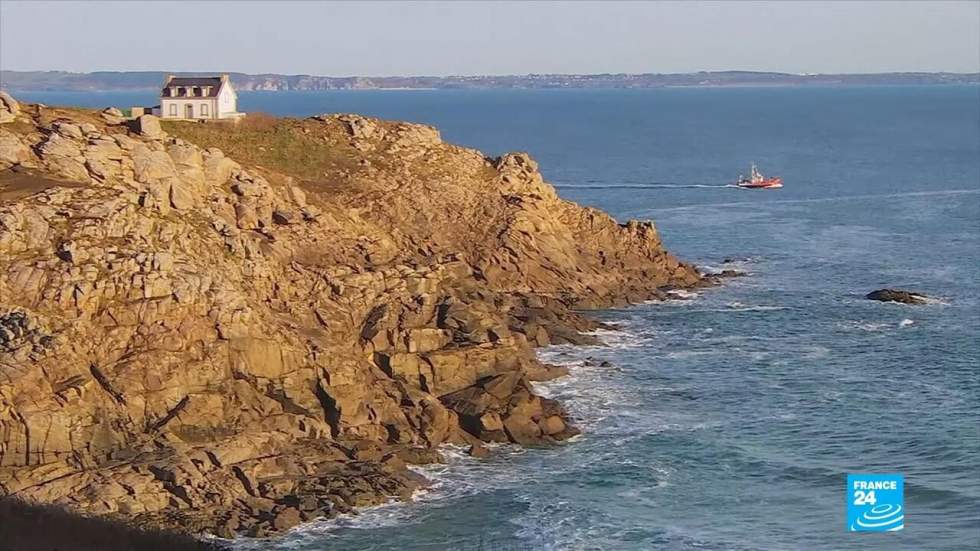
column 730, row 420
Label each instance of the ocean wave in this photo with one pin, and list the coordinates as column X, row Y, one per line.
column 681, row 354
column 739, row 307
column 873, row 326
column 682, row 294
column 741, row 260
column 712, row 270
column 393, row 513
column 621, row 339
column 815, row 352
column 458, row 477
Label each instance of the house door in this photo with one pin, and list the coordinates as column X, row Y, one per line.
column 188, row 111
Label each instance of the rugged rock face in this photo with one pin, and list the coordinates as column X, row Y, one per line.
column 237, row 345
column 9, row 108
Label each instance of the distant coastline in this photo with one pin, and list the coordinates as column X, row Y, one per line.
column 18, row 81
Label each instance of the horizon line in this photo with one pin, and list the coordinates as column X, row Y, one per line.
column 477, row 75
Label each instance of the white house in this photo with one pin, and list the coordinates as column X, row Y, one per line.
column 198, row 98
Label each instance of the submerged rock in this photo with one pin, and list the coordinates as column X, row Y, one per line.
column 897, row 295
column 478, row 450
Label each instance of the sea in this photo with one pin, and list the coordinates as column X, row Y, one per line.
column 727, row 418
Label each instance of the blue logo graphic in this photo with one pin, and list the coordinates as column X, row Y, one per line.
column 875, row 502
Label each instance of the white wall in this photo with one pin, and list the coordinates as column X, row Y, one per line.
column 223, row 106
column 181, row 104
column 227, row 100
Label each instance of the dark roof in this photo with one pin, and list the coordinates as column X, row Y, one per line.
column 213, row 82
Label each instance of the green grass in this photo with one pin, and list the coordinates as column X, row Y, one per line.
column 280, row 145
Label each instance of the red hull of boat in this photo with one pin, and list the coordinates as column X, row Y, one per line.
column 768, row 183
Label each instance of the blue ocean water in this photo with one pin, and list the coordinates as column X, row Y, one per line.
column 730, row 419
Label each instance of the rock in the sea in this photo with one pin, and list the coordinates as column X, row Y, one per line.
column 897, row 295
column 9, row 108
column 478, row 450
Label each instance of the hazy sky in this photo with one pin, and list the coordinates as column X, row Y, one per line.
column 441, row 38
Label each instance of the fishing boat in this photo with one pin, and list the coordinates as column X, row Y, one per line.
column 756, row 180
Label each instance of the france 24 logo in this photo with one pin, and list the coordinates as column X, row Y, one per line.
column 875, row 502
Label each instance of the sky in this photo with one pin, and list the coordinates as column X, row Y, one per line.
column 476, row 38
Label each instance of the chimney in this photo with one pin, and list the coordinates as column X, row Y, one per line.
column 169, row 78
column 224, row 77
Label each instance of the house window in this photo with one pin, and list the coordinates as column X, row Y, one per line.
column 173, row 109
column 204, row 110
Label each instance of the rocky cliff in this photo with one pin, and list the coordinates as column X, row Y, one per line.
column 238, row 341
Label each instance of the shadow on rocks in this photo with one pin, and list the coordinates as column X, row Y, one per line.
column 29, row 527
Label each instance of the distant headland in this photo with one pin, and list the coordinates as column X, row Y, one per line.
column 142, row 80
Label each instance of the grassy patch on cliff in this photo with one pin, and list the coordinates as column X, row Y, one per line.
column 303, row 149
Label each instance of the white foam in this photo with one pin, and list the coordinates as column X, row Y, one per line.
column 621, row 338
column 875, row 326
column 392, row 513
column 740, row 307
column 681, row 354
column 682, row 294
column 460, row 476
column 712, row 270
column 598, row 400
column 762, row 308
column 816, row 352
column 868, row 326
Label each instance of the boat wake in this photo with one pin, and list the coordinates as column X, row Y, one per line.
column 652, row 185
column 844, row 198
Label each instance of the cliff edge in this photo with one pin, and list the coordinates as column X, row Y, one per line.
column 233, row 329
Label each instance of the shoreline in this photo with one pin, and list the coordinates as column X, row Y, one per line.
column 460, row 464
column 459, row 453
column 323, row 351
